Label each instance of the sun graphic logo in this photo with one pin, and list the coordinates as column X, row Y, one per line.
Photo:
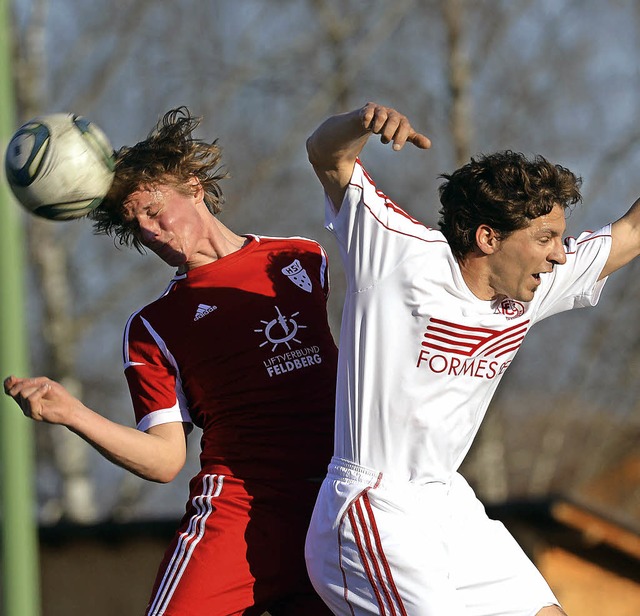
column 281, row 330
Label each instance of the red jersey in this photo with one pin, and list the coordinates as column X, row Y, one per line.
column 241, row 348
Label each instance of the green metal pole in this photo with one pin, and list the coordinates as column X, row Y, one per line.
column 20, row 567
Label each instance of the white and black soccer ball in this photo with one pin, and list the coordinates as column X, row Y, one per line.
column 60, row 166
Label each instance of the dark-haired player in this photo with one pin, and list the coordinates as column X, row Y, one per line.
column 432, row 319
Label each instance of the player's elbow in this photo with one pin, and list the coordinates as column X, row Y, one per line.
column 164, row 472
column 166, row 452
column 163, row 478
column 321, row 158
column 312, row 153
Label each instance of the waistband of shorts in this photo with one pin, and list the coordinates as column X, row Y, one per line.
column 346, row 470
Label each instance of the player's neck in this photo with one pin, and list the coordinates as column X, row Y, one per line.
column 217, row 243
column 477, row 276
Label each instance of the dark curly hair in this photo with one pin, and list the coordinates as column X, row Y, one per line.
column 504, row 190
column 170, row 155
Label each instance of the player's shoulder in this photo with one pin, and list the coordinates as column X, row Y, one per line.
column 284, row 243
column 160, row 304
column 588, row 240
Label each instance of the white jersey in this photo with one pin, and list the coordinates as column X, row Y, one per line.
column 420, row 355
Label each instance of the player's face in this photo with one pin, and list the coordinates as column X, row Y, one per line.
column 169, row 223
column 526, row 254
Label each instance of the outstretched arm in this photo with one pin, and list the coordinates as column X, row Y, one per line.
column 338, row 141
column 625, row 245
column 156, row 455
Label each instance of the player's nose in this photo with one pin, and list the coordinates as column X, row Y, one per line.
column 148, row 231
column 558, row 254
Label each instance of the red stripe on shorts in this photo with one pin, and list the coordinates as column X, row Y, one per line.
column 187, row 542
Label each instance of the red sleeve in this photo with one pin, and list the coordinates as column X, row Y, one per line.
column 152, row 376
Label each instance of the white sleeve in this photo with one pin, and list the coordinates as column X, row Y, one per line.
column 575, row 284
column 373, row 233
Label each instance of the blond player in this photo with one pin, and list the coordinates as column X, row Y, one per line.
column 238, row 345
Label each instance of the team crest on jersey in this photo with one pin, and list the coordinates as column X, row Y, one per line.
column 298, row 275
column 510, row 308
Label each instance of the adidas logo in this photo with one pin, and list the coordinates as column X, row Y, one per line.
column 203, row 311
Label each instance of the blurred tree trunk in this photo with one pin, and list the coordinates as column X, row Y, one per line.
column 459, row 78
column 487, row 463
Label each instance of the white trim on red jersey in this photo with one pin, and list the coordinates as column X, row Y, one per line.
column 241, row 347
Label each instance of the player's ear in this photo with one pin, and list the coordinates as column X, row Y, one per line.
column 487, row 239
column 196, row 187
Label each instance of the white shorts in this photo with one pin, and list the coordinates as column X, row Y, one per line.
column 378, row 546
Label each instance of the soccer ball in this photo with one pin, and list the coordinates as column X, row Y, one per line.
column 60, row 166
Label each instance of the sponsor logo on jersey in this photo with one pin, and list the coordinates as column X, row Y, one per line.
column 298, row 275
column 459, row 350
column 281, row 331
column 293, row 360
column 203, row 310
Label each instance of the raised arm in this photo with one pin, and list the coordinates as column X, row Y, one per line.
column 156, row 455
column 338, row 141
column 625, row 245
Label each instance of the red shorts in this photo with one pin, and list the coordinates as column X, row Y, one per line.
column 239, row 550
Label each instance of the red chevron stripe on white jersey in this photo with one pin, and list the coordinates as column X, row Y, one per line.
column 449, row 337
